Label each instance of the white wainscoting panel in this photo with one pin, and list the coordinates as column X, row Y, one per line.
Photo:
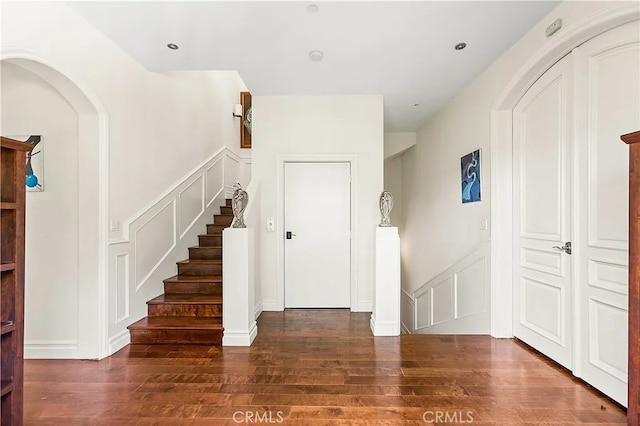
column 214, row 180
column 469, row 296
column 422, row 309
column 245, row 171
column 191, row 202
column 153, row 241
column 158, row 236
column 442, row 301
column 456, row 301
column 231, row 172
column 122, row 286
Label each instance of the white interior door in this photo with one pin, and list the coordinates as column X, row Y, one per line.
column 542, row 137
column 608, row 105
column 317, row 256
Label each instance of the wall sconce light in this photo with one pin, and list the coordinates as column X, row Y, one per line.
column 237, row 110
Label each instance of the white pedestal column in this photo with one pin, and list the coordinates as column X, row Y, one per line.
column 238, row 289
column 385, row 318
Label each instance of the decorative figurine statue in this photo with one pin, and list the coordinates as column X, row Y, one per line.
column 386, row 204
column 238, row 204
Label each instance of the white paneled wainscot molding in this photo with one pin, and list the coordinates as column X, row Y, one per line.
column 160, row 234
column 457, row 301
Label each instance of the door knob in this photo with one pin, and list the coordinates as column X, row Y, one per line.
column 565, row 248
column 289, row 235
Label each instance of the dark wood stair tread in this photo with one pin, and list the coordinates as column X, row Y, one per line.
column 195, row 278
column 201, row 261
column 186, row 299
column 216, row 231
column 177, row 323
column 206, row 247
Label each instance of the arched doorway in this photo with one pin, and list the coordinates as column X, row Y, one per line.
column 92, row 206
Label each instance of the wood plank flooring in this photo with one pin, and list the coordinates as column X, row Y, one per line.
column 315, row 367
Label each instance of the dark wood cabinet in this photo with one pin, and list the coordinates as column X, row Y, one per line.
column 12, row 216
column 633, row 410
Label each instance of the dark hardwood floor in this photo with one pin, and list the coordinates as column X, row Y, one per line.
column 315, row 367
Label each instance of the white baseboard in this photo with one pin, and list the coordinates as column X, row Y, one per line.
column 240, row 338
column 119, row 341
column 257, row 310
column 364, row 306
column 384, row 328
column 51, row 349
column 270, row 305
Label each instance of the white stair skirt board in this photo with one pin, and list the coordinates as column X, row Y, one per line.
column 119, row 341
column 385, row 319
column 238, row 309
column 407, row 305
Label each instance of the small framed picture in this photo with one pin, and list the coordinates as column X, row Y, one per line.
column 470, row 173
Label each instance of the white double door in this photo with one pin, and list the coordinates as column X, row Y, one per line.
column 570, row 174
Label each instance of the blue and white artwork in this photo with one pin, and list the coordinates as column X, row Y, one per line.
column 470, row 171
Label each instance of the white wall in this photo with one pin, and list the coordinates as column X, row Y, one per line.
column 31, row 106
column 396, row 143
column 439, row 229
column 320, row 125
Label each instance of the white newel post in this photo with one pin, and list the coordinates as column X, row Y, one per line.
column 238, row 287
column 385, row 318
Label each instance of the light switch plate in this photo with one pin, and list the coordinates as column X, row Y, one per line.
column 271, row 224
column 484, row 224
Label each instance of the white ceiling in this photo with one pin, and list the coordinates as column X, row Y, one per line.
column 402, row 50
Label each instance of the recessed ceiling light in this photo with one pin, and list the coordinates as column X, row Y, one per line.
column 313, row 8
column 460, row 46
column 316, row 55
column 172, row 46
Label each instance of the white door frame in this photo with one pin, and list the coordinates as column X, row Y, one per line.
column 93, row 197
column 315, row 158
column 502, row 153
